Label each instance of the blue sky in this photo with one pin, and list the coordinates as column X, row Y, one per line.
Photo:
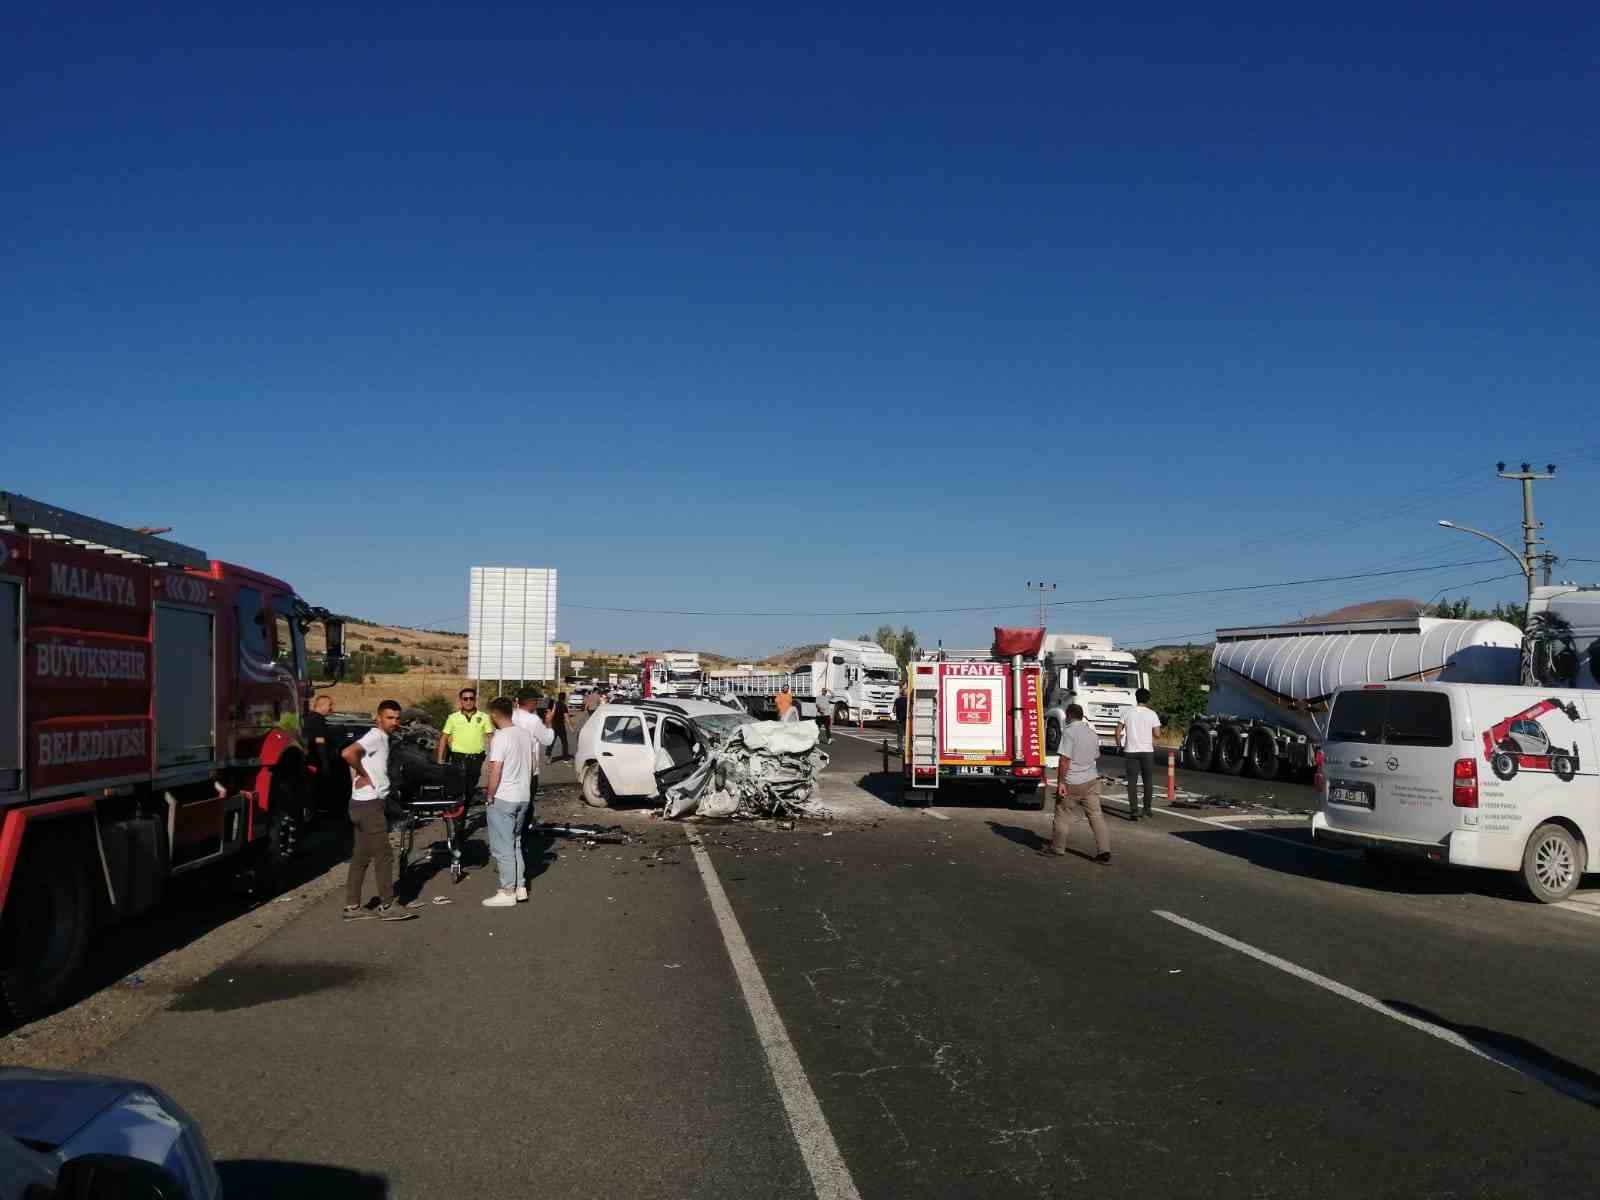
column 833, row 308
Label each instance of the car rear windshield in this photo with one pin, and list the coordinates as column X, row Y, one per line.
column 1394, row 718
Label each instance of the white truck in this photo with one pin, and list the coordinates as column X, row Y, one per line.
column 673, row 674
column 1087, row 669
column 861, row 679
column 1271, row 684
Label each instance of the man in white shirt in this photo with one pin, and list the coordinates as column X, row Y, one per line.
column 825, row 717
column 1137, row 736
column 507, row 797
column 1078, row 785
column 368, row 759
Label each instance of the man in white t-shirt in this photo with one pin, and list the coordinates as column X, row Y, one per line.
column 508, row 798
column 368, row 759
column 1136, row 734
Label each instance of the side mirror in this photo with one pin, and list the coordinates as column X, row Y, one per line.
column 333, row 655
column 115, row 1177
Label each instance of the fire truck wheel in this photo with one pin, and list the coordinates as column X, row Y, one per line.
column 1230, row 753
column 596, row 790
column 48, row 917
column 1199, row 749
column 1563, row 766
column 1553, row 863
column 1025, row 795
column 1052, row 735
column 1504, row 764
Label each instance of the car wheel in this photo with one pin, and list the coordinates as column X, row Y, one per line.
column 1552, row 864
column 596, row 790
column 1504, row 765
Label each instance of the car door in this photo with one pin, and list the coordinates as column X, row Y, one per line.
column 626, row 756
column 678, row 752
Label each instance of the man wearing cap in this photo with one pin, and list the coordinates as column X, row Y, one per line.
column 465, row 741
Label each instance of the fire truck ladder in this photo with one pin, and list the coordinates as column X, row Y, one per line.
column 58, row 524
column 925, row 733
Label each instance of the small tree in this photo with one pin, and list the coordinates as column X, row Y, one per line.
column 1178, row 689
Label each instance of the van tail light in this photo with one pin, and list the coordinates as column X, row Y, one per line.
column 1465, row 794
column 1318, row 780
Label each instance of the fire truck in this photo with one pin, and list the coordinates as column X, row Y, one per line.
column 153, row 730
column 976, row 716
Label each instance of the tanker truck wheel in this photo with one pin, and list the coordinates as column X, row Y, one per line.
column 48, row 915
column 1199, row 749
column 1230, row 753
column 1263, row 758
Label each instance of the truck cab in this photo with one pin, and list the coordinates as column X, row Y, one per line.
column 862, row 678
column 1086, row 669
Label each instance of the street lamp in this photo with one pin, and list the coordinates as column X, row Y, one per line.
column 1523, row 564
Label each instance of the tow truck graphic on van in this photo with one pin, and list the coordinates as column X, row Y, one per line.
column 1520, row 743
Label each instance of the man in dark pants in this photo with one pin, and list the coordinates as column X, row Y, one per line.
column 558, row 725
column 1136, row 734
column 465, row 740
column 825, row 717
column 900, row 715
column 368, row 759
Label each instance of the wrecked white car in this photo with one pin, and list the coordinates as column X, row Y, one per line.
column 698, row 757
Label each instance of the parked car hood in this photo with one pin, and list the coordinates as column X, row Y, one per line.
column 45, row 1108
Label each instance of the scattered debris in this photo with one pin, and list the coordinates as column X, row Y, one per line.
column 673, row 966
column 443, row 900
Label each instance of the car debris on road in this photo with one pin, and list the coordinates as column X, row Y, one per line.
column 760, row 770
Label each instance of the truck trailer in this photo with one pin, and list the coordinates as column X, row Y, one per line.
column 156, row 731
column 1267, row 711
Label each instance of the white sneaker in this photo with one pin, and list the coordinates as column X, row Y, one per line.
column 500, row 900
column 522, row 894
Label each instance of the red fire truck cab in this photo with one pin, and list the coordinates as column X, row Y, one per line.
column 976, row 716
column 154, row 728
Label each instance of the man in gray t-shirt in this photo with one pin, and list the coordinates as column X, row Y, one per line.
column 1078, row 785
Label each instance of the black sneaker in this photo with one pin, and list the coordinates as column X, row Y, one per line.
column 1103, row 858
column 395, row 911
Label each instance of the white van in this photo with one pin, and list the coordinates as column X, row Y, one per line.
column 1501, row 777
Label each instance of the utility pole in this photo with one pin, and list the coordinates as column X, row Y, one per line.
column 1041, row 588
column 1530, row 528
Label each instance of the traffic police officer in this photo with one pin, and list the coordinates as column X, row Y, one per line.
column 466, row 740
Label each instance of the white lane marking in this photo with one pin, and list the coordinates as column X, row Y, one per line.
column 830, row 1178
column 894, row 751
column 1502, row 1058
column 1344, row 854
column 937, row 816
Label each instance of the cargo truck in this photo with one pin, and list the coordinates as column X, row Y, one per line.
column 861, row 679
column 157, row 698
column 1087, row 669
column 675, row 674
column 1267, row 711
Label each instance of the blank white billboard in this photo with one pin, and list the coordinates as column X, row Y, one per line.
column 511, row 623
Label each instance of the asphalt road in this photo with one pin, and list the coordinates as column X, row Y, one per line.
column 1224, row 1010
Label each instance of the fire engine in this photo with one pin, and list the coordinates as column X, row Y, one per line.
column 156, row 729
column 1520, row 743
column 976, row 716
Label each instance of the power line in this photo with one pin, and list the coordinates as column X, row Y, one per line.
column 896, row 612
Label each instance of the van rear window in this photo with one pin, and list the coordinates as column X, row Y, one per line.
column 1358, row 717
column 1418, row 719
column 1393, row 718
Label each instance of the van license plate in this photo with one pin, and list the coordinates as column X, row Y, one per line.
column 1355, row 795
